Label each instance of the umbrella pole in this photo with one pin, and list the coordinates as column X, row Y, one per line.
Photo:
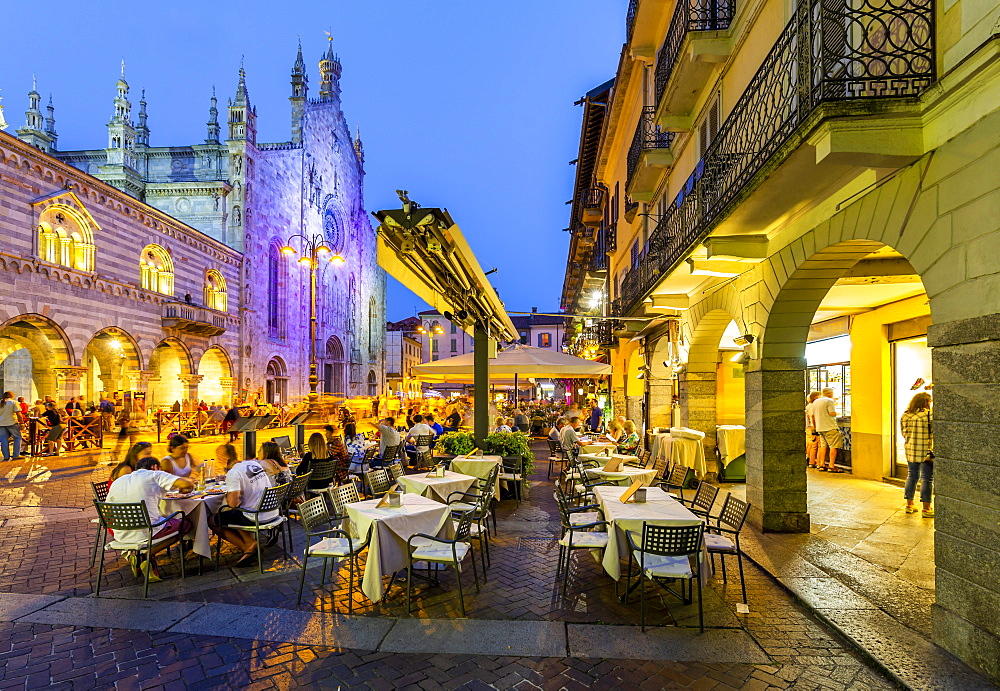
column 515, row 389
column 481, row 372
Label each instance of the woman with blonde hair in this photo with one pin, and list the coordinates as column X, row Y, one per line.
column 629, row 444
column 500, row 424
column 319, row 452
column 915, row 425
column 614, row 432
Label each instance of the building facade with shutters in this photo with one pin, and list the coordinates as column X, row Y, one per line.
column 774, row 197
column 160, row 270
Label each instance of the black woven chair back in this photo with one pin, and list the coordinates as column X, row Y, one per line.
column 671, row 540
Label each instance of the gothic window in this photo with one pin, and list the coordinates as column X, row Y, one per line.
column 215, row 291
column 275, row 267
column 65, row 238
column 156, row 270
column 372, row 327
column 372, row 383
column 333, row 229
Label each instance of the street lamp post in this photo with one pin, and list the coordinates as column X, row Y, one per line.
column 429, row 331
column 314, row 249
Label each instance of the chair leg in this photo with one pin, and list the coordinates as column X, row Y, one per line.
column 180, row 551
column 458, row 577
column 302, row 578
column 351, row 562
column 97, row 540
column 642, row 600
column 743, row 582
column 260, row 553
column 100, row 571
column 409, row 577
column 475, row 575
column 701, row 613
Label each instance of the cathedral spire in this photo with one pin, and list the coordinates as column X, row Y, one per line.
column 3, row 122
column 142, row 131
column 300, row 87
column 50, row 123
column 33, row 116
column 242, row 97
column 242, row 116
column 329, row 69
column 213, row 120
column 359, row 149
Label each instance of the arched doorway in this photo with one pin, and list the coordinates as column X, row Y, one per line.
column 333, row 368
column 113, row 364
column 216, row 371
column 32, row 347
column 170, row 367
column 276, row 382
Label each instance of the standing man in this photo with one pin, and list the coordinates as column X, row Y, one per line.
column 71, row 406
column 9, row 427
column 596, row 417
column 107, row 409
column 824, row 414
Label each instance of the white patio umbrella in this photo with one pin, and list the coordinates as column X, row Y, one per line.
column 517, row 361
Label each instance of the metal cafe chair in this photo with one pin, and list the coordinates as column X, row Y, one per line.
column 269, row 501
column 296, row 489
column 724, row 537
column 576, row 536
column 703, row 500
column 555, row 455
column 335, row 544
column 123, row 517
column 378, row 482
column 676, row 479
column 667, row 552
column 438, row 550
column 100, row 490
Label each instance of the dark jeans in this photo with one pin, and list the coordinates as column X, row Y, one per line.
column 925, row 473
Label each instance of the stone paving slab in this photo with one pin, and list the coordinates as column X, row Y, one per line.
column 13, row 606
column 113, row 614
column 286, row 626
column 477, row 637
column 911, row 658
column 826, row 593
column 663, row 643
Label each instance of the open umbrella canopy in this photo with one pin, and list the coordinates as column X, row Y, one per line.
column 520, row 360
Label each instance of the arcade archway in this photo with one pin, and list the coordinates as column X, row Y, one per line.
column 170, row 365
column 216, row 371
column 32, row 347
column 113, row 363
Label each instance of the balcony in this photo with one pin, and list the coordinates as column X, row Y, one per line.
column 592, row 207
column 648, row 157
column 689, row 53
column 832, row 60
column 192, row 319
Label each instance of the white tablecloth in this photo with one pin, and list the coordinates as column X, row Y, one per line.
column 687, row 452
column 625, row 475
column 393, row 527
column 731, row 441
column 659, row 509
column 437, row 488
column 479, row 467
column 197, row 510
column 597, row 446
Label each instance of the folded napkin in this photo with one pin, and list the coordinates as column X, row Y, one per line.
column 686, row 433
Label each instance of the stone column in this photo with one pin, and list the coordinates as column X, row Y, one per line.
column 966, row 362
column 191, row 382
column 661, row 402
column 68, row 382
column 698, row 409
column 776, row 461
column 228, row 385
column 109, row 382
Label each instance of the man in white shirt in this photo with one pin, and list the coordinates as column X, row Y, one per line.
column 555, row 434
column 387, row 436
column 824, row 412
column 147, row 484
column 246, row 482
column 570, row 438
column 419, row 429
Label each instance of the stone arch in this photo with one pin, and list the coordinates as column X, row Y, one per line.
column 333, row 373
column 33, row 350
column 156, row 269
column 276, row 381
column 170, row 367
column 372, row 383
column 113, row 362
column 215, row 367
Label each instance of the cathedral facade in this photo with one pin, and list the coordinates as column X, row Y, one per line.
column 178, row 272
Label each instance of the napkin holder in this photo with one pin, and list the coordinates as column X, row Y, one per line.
column 640, row 496
column 391, row 500
column 439, row 471
column 613, row 465
column 631, row 491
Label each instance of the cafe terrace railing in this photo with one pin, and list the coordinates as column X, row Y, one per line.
column 200, row 423
column 689, row 15
column 647, row 136
column 79, row 434
column 830, row 51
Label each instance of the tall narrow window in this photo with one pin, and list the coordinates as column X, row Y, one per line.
column 65, row 237
column 545, row 340
column 454, row 345
column 215, row 291
column 372, row 327
column 273, row 292
column 156, row 270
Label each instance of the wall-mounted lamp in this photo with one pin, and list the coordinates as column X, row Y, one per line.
column 743, row 340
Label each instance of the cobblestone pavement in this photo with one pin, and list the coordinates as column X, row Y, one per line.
column 46, row 538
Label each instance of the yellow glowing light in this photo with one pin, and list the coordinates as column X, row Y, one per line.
column 305, row 260
column 337, row 259
column 323, row 248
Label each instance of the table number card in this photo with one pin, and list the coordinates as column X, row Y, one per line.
column 392, row 499
column 613, row 465
column 632, row 489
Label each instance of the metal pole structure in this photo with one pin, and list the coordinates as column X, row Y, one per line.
column 313, row 374
column 481, row 398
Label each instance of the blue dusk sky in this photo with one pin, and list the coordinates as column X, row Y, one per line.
column 468, row 105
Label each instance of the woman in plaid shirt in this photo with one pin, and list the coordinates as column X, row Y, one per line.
column 915, row 425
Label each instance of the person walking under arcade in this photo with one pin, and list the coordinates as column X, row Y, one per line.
column 812, row 436
column 10, row 430
column 824, row 413
column 915, row 425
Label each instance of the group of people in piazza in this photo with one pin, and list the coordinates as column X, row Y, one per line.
column 824, row 441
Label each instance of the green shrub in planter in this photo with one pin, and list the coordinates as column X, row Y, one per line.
column 511, row 444
column 456, row 443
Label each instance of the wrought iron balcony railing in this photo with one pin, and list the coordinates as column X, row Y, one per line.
column 830, row 51
column 689, row 15
column 647, row 136
column 633, row 6
column 192, row 319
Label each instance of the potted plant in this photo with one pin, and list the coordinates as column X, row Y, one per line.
column 456, row 443
column 511, row 444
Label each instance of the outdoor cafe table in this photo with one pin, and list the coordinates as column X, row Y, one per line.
column 659, row 509
column 393, row 527
column 477, row 466
column 625, row 475
column 687, row 452
column 197, row 507
column 596, row 446
column 437, row 488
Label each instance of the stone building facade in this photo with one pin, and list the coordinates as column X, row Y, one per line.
column 793, row 173
column 176, row 253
